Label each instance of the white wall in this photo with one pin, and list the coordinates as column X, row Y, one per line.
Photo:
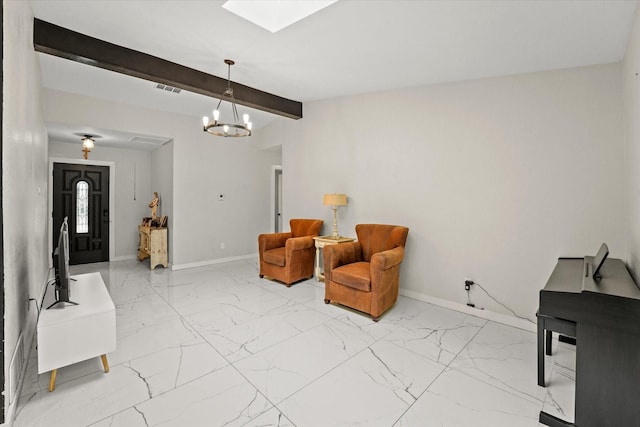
column 495, row 178
column 24, row 181
column 202, row 166
column 220, row 166
column 631, row 88
column 162, row 182
column 132, row 189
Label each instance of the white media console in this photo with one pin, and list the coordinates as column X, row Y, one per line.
column 69, row 334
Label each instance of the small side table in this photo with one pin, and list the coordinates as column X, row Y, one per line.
column 321, row 242
column 153, row 244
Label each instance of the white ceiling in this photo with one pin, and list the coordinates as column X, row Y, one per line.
column 350, row 47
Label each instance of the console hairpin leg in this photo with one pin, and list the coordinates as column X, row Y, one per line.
column 52, row 379
column 105, row 364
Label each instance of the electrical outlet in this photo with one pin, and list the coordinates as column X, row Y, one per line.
column 222, row 245
column 467, row 283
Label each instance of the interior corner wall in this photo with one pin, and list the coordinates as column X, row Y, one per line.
column 202, row 166
column 24, row 181
column 631, row 89
column 495, row 178
column 132, row 189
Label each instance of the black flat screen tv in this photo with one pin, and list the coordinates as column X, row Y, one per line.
column 61, row 266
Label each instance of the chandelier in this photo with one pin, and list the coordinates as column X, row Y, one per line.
column 236, row 128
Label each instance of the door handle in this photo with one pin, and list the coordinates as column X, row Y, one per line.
column 105, row 215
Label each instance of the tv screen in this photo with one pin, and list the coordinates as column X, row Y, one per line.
column 61, row 265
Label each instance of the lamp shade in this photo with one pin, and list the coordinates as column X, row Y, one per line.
column 335, row 199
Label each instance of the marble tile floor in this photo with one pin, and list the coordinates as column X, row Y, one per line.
column 218, row 346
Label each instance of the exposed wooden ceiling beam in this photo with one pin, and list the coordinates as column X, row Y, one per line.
column 59, row 41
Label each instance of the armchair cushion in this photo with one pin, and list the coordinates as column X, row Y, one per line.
column 275, row 256
column 356, row 275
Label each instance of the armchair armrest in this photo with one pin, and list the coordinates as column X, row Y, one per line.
column 299, row 243
column 272, row 240
column 386, row 259
column 385, row 267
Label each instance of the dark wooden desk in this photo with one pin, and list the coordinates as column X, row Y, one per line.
column 606, row 314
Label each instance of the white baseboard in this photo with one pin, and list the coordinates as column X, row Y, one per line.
column 10, row 410
column 29, row 333
column 124, row 258
column 463, row 308
column 212, row 262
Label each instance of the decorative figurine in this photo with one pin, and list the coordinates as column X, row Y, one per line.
column 154, row 206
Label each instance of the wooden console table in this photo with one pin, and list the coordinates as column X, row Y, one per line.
column 153, row 245
column 321, row 242
column 69, row 334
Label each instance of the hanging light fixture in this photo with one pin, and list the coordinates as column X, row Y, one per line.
column 236, row 128
column 87, row 145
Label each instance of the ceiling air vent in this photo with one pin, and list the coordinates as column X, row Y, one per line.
column 148, row 141
column 168, row 88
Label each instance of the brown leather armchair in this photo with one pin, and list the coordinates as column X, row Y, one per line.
column 289, row 257
column 365, row 275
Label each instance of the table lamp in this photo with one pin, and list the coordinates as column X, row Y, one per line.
column 335, row 200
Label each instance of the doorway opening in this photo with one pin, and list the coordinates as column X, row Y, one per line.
column 2, row 350
column 276, row 199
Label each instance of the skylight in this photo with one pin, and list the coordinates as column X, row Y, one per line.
column 275, row 15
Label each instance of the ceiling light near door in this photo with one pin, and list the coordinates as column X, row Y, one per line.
column 87, row 145
column 235, row 128
column 274, row 15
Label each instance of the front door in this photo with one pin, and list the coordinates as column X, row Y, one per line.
column 81, row 193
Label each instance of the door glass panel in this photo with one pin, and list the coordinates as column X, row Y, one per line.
column 82, row 207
